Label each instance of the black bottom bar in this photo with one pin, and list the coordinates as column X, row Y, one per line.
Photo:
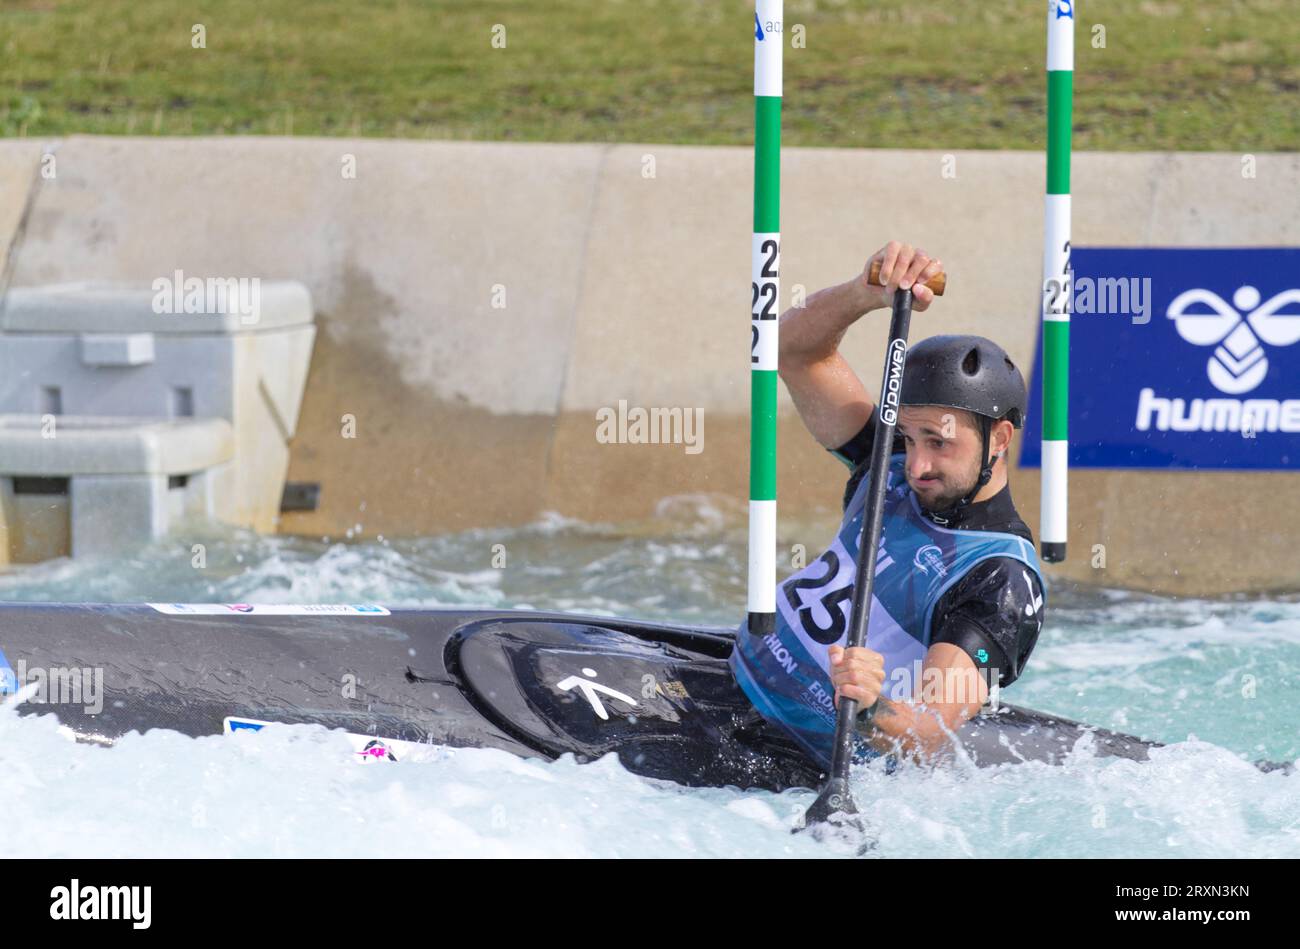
column 1053, row 552
column 762, row 624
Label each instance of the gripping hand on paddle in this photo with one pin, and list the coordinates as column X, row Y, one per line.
column 901, row 266
column 858, row 673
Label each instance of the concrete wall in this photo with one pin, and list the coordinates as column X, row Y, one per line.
column 618, row 286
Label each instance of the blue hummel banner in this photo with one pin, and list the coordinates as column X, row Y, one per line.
column 1180, row 358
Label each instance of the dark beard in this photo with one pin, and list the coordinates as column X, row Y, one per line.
column 948, row 497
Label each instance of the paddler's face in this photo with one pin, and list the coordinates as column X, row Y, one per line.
column 943, row 453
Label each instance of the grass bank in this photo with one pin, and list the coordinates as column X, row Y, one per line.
column 1150, row 74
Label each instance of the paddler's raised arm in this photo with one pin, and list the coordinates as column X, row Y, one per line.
column 831, row 399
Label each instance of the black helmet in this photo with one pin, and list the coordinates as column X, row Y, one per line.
column 965, row 372
column 971, row 373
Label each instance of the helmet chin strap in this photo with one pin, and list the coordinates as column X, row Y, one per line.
column 986, row 472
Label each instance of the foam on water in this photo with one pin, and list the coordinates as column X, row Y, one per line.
column 1221, row 671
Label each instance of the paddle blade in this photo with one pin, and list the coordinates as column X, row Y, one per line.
column 834, row 817
column 836, row 798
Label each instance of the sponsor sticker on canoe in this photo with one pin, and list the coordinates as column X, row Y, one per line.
column 367, row 747
column 232, row 725
column 271, row 609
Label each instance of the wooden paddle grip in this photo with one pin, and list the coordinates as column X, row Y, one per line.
column 935, row 283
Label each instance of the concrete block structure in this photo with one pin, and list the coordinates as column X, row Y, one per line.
column 120, row 414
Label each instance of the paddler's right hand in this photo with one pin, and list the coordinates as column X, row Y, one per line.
column 857, row 673
column 901, row 265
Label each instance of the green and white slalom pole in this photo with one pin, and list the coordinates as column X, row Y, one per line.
column 1058, row 289
column 766, row 265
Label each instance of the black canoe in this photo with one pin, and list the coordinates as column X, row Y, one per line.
column 535, row 684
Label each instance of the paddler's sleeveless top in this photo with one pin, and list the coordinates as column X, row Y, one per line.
column 785, row 675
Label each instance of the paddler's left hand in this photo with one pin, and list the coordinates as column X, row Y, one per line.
column 858, row 673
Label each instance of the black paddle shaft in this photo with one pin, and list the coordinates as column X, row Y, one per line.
column 835, row 797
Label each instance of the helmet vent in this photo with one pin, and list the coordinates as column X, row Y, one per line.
column 971, row 364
